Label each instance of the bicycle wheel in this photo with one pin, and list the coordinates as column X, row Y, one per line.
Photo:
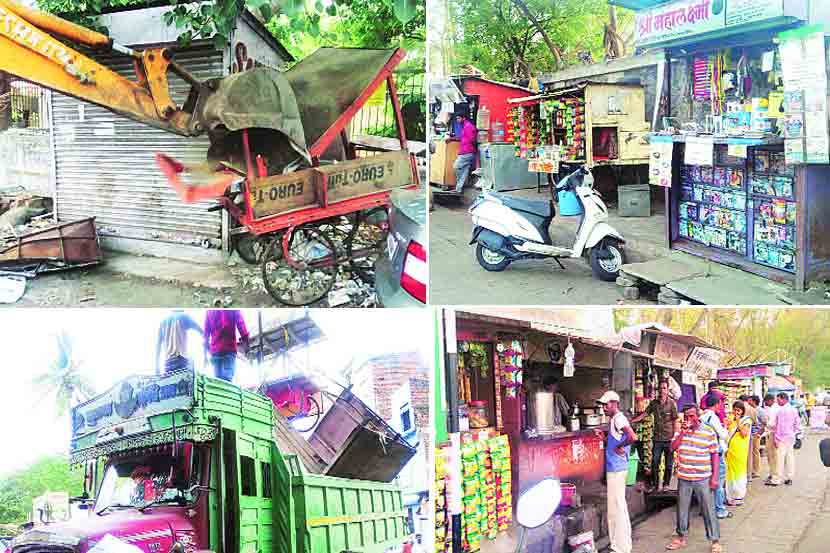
column 315, row 271
column 366, row 241
column 310, row 418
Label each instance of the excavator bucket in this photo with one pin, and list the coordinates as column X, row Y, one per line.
column 290, row 117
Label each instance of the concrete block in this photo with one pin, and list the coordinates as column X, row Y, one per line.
column 668, row 300
column 631, row 293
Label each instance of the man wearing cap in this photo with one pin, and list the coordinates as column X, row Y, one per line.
column 619, row 440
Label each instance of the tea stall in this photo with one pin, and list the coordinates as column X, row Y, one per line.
column 500, row 391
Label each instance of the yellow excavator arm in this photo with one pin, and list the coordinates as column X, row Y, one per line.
column 29, row 50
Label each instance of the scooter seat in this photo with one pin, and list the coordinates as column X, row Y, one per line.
column 543, row 208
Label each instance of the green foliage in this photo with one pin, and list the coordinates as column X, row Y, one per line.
column 351, row 23
column 215, row 19
column 19, row 488
column 496, row 36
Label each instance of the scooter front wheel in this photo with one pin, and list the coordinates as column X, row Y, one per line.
column 490, row 260
column 606, row 261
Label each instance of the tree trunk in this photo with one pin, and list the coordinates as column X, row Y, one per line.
column 5, row 112
column 551, row 46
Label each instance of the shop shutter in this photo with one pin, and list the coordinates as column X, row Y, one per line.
column 105, row 164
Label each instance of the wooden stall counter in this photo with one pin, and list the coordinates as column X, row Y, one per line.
column 566, row 455
column 441, row 162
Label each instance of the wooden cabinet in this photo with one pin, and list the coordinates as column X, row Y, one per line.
column 440, row 163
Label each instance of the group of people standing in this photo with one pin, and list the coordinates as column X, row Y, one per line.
column 718, row 450
column 219, row 336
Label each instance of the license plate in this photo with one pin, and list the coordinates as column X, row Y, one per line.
column 391, row 245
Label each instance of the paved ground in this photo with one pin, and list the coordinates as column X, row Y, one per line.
column 786, row 519
column 134, row 281
column 456, row 277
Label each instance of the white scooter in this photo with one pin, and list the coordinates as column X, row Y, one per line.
column 508, row 228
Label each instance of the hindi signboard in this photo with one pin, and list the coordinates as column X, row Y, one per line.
column 678, row 19
column 669, row 352
column 704, row 360
column 740, row 12
column 134, row 399
column 685, row 18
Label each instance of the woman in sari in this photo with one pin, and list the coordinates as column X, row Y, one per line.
column 737, row 454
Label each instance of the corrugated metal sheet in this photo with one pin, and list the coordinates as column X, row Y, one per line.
column 105, row 164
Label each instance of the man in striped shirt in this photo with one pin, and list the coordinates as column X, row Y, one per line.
column 697, row 473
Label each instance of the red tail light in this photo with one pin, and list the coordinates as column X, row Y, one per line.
column 415, row 274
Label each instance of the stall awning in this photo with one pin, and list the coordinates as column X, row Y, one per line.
column 577, row 335
column 445, row 90
column 687, row 339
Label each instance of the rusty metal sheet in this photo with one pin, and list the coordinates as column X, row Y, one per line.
column 66, row 244
column 328, row 82
column 367, row 175
column 281, row 193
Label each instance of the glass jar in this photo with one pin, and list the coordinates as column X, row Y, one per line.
column 478, row 414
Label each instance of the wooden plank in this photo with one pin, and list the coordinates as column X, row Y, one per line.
column 291, row 441
column 281, row 193
column 366, row 175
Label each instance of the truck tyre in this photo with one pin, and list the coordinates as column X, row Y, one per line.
column 603, row 267
column 490, row 260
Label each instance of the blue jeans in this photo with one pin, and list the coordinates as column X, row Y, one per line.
column 224, row 365
column 463, row 165
column 720, row 493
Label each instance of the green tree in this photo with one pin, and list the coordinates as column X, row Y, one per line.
column 510, row 39
column 352, row 23
column 63, row 382
column 215, row 19
column 17, row 490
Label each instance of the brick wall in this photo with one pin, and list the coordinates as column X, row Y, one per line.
column 419, row 387
column 388, row 373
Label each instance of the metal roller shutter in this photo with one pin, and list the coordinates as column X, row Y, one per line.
column 105, row 165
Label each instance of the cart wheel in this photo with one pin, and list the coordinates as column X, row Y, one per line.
column 366, row 242
column 306, row 284
column 251, row 247
column 309, row 420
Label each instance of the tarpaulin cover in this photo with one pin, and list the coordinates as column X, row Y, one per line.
column 329, row 81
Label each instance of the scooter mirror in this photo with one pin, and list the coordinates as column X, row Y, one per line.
column 537, row 504
column 824, row 451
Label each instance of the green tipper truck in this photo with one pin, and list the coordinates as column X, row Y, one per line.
column 183, row 462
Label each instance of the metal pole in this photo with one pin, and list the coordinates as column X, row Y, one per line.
column 261, row 337
column 451, row 375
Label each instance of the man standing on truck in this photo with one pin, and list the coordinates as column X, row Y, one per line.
column 173, row 339
column 466, row 160
column 220, row 340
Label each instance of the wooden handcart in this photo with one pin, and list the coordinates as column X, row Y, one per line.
column 306, row 225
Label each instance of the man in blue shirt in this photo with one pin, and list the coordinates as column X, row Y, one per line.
column 710, row 418
column 619, row 440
